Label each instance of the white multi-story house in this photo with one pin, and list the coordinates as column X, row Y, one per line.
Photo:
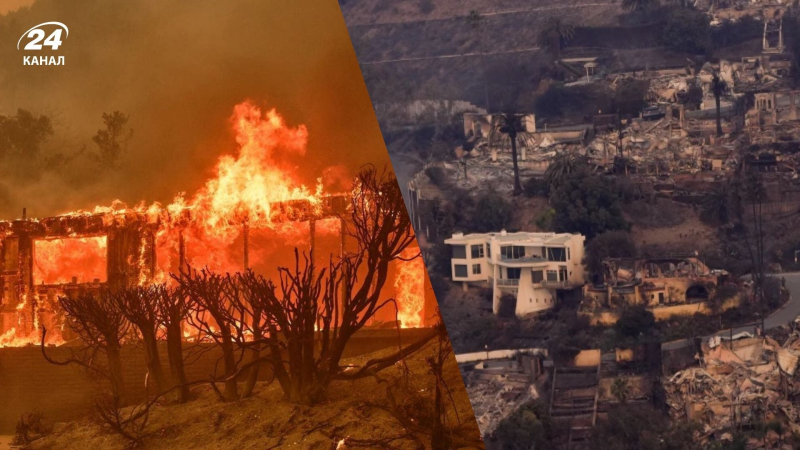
column 531, row 266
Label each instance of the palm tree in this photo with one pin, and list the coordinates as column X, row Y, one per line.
column 621, row 390
column 510, row 124
column 638, row 5
column 556, row 33
column 716, row 207
column 559, row 169
column 719, row 87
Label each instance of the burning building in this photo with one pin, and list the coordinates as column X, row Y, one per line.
column 238, row 220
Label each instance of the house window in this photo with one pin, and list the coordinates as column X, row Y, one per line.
column 461, row 271
column 512, row 252
column 552, row 275
column 568, row 256
column 489, row 250
column 459, row 252
column 476, row 269
column 537, row 276
column 513, row 273
column 477, row 251
column 556, row 254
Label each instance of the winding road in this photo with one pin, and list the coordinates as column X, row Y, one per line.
column 781, row 317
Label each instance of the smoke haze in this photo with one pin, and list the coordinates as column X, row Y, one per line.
column 177, row 68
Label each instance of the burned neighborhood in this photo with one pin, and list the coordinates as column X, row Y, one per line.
column 606, row 195
column 195, row 250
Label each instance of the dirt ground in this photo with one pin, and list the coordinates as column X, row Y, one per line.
column 671, row 226
column 266, row 421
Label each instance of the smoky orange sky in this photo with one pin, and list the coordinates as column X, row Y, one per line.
column 178, row 68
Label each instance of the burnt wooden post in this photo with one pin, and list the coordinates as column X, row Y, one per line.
column 123, row 248
column 25, row 321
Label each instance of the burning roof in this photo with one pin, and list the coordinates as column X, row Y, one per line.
column 253, row 196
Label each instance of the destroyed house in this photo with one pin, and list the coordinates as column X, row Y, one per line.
column 652, row 282
column 43, row 259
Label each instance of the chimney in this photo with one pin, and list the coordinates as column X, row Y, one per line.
column 24, row 213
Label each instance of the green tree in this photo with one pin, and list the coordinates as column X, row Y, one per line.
column 536, row 186
column 510, row 125
column 529, row 427
column 687, row 30
column 21, row 139
column 611, row 244
column 113, row 140
column 492, row 213
column 555, row 34
column 438, row 216
column 630, row 97
column 588, row 204
column 640, row 427
column 635, row 321
column 561, row 167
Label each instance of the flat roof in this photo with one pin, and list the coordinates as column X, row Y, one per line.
column 521, row 238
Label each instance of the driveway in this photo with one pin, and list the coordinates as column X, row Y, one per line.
column 779, row 318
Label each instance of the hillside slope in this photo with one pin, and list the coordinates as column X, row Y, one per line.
column 353, row 410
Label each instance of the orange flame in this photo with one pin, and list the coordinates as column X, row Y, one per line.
column 57, row 261
column 211, row 223
column 409, row 287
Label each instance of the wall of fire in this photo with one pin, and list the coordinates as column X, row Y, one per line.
column 30, row 290
column 68, row 255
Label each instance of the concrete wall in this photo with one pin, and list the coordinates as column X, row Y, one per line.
column 497, row 354
column 609, row 317
column 587, row 358
column 29, row 383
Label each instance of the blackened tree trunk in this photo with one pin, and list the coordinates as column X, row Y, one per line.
column 175, row 356
column 102, row 327
column 229, row 360
column 116, row 374
column 517, row 184
column 153, row 360
column 719, row 116
column 255, row 354
column 140, row 306
column 172, row 311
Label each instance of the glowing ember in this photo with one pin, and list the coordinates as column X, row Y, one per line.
column 409, row 285
column 58, row 261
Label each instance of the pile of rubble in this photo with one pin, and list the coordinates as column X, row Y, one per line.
column 738, row 382
column 497, row 392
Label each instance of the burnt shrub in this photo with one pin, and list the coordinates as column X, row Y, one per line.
column 535, row 186
column 635, row 321
column 507, row 306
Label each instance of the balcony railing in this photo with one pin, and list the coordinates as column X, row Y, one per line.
column 526, row 259
column 556, row 284
column 507, row 282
